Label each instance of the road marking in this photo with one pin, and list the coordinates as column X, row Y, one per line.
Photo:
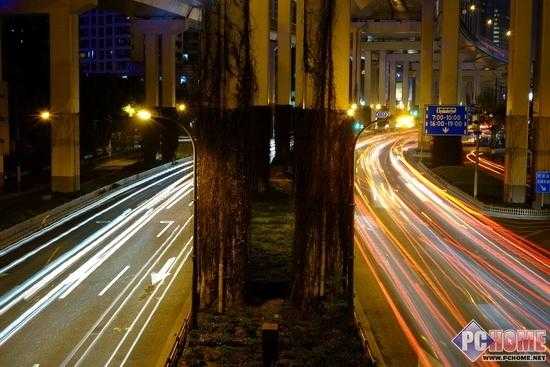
column 168, row 224
column 114, row 280
column 159, row 276
column 136, row 339
column 52, row 255
column 124, row 298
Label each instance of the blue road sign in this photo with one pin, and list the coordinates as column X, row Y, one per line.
column 543, row 182
column 446, row 120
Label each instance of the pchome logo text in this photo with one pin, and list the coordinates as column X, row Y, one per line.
column 501, row 345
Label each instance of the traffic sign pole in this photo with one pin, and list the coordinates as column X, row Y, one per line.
column 477, row 166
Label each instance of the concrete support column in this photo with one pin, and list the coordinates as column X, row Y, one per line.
column 542, row 137
column 477, row 86
column 353, row 58
column 151, row 70
column 392, row 103
column 448, row 150
column 340, row 48
column 367, row 93
column 405, row 85
column 64, row 95
column 262, row 114
column 283, row 109
column 358, row 92
column 426, row 68
column 375, row 86
column 448, row 78
column 517, row 104
column 168, row 43
column 382, row 77
column 283, row 58
column 259, row 46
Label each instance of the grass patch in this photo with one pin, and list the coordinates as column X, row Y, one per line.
column 270, row 249
column 324, row 337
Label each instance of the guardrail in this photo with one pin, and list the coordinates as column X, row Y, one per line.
column 43, row 220
column 494, row 211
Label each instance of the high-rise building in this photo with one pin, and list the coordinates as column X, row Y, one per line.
column 106, row 43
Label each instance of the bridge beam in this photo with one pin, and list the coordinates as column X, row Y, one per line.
column 517, row 103
column 542, row 137
column 64, row 96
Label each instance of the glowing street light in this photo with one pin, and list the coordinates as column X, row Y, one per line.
column 354, row 106
column 378, row 107
column 508, row 33
column 144, row 115
column 473, row 7
column 404, row 121
column 181, row 107
column 489, row 22
column 45, row 115
column 350, row 112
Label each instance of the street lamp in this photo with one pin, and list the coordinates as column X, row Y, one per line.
column 489, row 21
column 508, row 33
column 144, row 115
column 473, row 7
column 45, row 115
column 181, row 107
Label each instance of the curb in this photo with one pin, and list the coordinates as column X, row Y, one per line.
column 41, row 221
column 489, row 210
column 370, row 345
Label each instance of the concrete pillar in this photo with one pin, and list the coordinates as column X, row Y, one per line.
column 392, row 103
column 358, row 93
column 382, row 77
column 283, row 109
column 425, row 88
column 405, row 88
column 448, row 78
column 448, row 150
column 353, row 60
column 283, row 58
column 368, row 77
column 340, row 50
column 168, row 44
column 375, row 87
column 151, row 70
column 517, row 103
column 64, row 95
column 300, row 80
column 542, row 133
column 259, row 46
column 477, row 86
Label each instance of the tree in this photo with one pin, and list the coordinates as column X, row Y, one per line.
column 224, row 167
column 323, row 243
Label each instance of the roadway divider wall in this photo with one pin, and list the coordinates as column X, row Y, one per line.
column 489, row 210
column 40, row 221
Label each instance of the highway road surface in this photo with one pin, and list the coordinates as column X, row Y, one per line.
column 427, row 264
column 105, row 285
